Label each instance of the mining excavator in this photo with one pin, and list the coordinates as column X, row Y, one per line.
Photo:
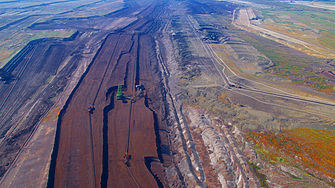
column 91, row 109
column 120, row 95
column 127, row 157
column 140, row 94
column 139, row 87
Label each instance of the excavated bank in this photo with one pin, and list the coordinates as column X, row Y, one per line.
column 104, row 174
column 40, row 79
column 127, row 62
column 149, row 163
column 204, row 153
column 156, row 127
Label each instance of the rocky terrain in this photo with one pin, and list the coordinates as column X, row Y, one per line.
column 247, row 111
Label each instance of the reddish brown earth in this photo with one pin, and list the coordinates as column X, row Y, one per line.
column 92, row 146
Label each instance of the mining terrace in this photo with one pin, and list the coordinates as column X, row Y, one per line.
column 151, row 95
column 92, row 145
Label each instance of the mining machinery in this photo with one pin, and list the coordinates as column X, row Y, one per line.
column 91, row 109
column 140, row 94
column 120, row 95
column 127, row 158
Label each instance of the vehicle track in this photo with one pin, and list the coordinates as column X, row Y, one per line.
column 223, row 76
column 28, row 139
column 92, row 150
column 282, row 36
column 13, row 105
column 283, row 106
column 138, row 186
column 18, row 78
column 286, row 96
column 23, row 147
column 130, row 111
column 278, row 95
column 211, row 53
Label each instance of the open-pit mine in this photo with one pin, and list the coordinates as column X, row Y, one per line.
column 171, row 93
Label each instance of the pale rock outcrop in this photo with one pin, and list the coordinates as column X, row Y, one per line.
column 185, row 122
column 225, row 155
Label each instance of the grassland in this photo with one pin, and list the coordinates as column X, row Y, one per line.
column 316, row 27
column 292, row 64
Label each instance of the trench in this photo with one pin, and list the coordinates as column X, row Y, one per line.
column 125, row 74
column 127, row 67
column 53, row 162
column 108, row 108
column 137, row 62
column 148, row 161
column 156, row 128
column 146, row 103
column 52, row 169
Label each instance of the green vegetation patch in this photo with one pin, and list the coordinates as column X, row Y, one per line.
column 323, row 21
column 52, row 33
column 261, row 177
column 285, row 62
column 292, row 176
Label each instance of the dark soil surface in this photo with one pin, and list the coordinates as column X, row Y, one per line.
column 38, row 80
column 91, row 147
column 29, row 93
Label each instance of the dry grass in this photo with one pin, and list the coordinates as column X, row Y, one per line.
column 52, row 115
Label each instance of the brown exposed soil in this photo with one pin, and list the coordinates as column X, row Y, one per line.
column 182, row 131
column 26, row 99
column 92, row 146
